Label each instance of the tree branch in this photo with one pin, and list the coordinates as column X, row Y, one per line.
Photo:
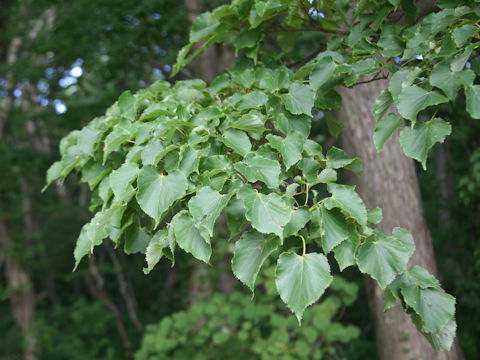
column 95, row 283
column 127, row 295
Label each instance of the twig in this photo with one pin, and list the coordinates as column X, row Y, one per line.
column 95, row 283
column 127, row 295
column 302, row 62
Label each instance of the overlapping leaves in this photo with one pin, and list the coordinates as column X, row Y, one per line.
column 432, row 309
column 167, row 162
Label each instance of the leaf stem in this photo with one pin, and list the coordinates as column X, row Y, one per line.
column 244, row 180
column 304, row 244
column 306, row 196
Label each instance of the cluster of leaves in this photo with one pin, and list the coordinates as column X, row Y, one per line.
column 235, row 326
column 426, row 60
column 166, row 162
column 76, row 331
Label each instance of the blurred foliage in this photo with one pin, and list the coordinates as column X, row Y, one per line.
column 235, row 326
column 77, row 331
column 450, row 190
column 469, row 184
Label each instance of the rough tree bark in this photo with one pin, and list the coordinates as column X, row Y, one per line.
column 389, row 181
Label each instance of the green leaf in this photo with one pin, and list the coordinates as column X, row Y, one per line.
column 322, row 72
column 237, row 140
column 299, row 99
column 136, row 240
column 191, row 239
column 334, row 126
column 360, row 69
column 156, row 249
column 83, row 246
column 395, row 3
column 247, row 38
column 345, row 251
column 258, row 168
column 416, row 141
column 156, row 192
column 374, row 216
column 273, row 81
column 432, row 310
column 334, row 228
column 190, row 159
column 104, row 189
column 121, row 179
column 114, row 140
column 345, row 198
column 252, row 122
column 461, row 59
column 449, row 81
column 53, row 173
column 118, row 224
column 252, row 100
column 434, row 306
column 203, row 26
column 401, row 80
column 99, row 226
column 383, row 257
column 301, row 280
column 472, row 94
column 297, row 221
column 384, row 129
column 243, row 73
column 414, row 99
column 443, row 339
column 235, row 212
column 290, row 147
column 134, row 154
column 215, row 164
column 313, row 149
column 463, row 33
column 390, row 41
column 381, row 105
column 127, row 105
column 93, row 233
column 152, row 153
column 206, row 206
column 287, row 123
column 88, row 137
column 153, row 111
column 220, row 83
column 249, row 255
column 337, row 158
column 326, row 176
column 93, row 173
column 267, row 213
column 309, row 169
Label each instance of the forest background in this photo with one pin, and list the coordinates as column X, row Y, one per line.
column 62, row 64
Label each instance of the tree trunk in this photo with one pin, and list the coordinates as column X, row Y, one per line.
column 205, row 66
column 22, row 296
column 389, row 181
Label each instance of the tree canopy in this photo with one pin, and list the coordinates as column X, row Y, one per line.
column 166, row 162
